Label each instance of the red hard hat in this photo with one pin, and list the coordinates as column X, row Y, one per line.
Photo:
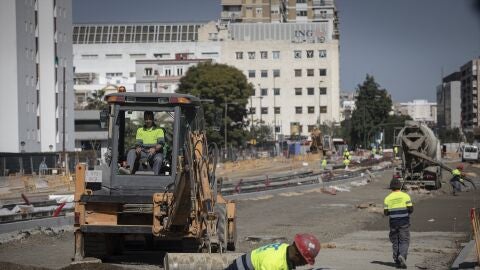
column 308, row 245
column 460, row 167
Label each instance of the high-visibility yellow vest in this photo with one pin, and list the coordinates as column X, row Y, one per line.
column 150, row 136
column 396, row 203
column 270, row 257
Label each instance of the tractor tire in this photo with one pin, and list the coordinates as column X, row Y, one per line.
column 222, row 225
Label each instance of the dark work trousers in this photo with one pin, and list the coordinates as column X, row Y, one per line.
column 155, row 161
column 400, row 238
column 456, row 185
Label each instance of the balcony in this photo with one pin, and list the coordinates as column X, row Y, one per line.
column 322, row 3
column 231, row 14
column 322, row 16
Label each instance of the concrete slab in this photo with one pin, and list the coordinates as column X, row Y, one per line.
column 372, row 250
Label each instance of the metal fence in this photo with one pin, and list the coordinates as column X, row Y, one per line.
column 44, row 162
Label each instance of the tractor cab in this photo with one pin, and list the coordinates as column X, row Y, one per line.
column 146, row 135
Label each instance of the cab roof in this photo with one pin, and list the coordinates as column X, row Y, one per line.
column 152, row 98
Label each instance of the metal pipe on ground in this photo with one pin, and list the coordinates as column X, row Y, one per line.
column 198, row 261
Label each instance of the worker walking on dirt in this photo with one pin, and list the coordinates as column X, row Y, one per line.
column 280, row 256
column 398, row 206
column 457, row 180
column 324, row 163
column 149, row 138
column 395, row 151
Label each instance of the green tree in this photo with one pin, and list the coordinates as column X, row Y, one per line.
column 96, row 102
column 391, row 123
column 373, row 105
column 224, row 85
column 450, row 135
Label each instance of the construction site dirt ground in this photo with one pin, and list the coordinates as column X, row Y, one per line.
column 352, row 237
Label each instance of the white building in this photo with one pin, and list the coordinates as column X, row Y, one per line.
column 35, row 54
column 293, row 66
column 420, row 110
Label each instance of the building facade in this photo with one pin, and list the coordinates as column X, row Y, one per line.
column 449, row 102
column 36, row 103
column 470, row 79
column 420, row 110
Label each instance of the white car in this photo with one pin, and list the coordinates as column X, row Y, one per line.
column 470, row 153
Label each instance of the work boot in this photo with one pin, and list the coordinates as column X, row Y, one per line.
column 403, row 262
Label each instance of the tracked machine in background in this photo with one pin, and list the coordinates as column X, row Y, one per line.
column 316, row 146
column 179, row 209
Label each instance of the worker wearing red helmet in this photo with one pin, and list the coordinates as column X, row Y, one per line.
column 280, row 256
column 457, row 180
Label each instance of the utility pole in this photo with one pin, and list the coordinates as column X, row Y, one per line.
column 319, row 94
column 274, row 112
column 364, row 140
column 225, row 122
column 65, row 159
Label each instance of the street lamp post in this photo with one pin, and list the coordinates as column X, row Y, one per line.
column 274, row 112
column 225, row 123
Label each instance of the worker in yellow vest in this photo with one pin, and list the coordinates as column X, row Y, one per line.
column 324, row 163
column 395, row 151
column 278, row 256
column 399, row 207
column 150, row 139
column 457, row 180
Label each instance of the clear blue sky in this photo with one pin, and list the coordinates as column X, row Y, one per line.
column 404, row 44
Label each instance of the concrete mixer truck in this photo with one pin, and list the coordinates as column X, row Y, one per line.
column 420, row 153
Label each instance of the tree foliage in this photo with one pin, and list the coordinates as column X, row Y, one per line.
column 222, row 84
column 373, row 105
column 95, row 101
column 450, row 135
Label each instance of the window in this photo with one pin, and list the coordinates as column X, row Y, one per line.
column 276, row 54
column 298, row 110
column 264, row 110
column 113, row 74
column 89, row 56
column 323, row 109
column 132, row 74
column 264, row 73
column 310, row 91
column 298, row 91
column 311, row 128
column 309, row 53
column 297, row 54
column 179, row 71
column 301, row 1
column 310, row 72
column 259, row 11
column 264, row 91
column 239, row 55
column 251, row 73
column 148, row 72
column 322, row 53
column 301, row 13
column 276, row 73
column 276, row 91
column 311, row 109
column 264, row 54
column 137, row 55
column 277, row 110
column 168, row 72
column 251, row 55
column 253, row 110
column 113, row 56
column 323, row 72
column 277, row 129
column 323, row 90
column 298, row 73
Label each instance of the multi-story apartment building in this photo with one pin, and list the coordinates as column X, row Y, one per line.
column 36, row 75
column 449, row 102
column 470, row 80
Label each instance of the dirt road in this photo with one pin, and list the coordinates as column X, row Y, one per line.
column 359, row 235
